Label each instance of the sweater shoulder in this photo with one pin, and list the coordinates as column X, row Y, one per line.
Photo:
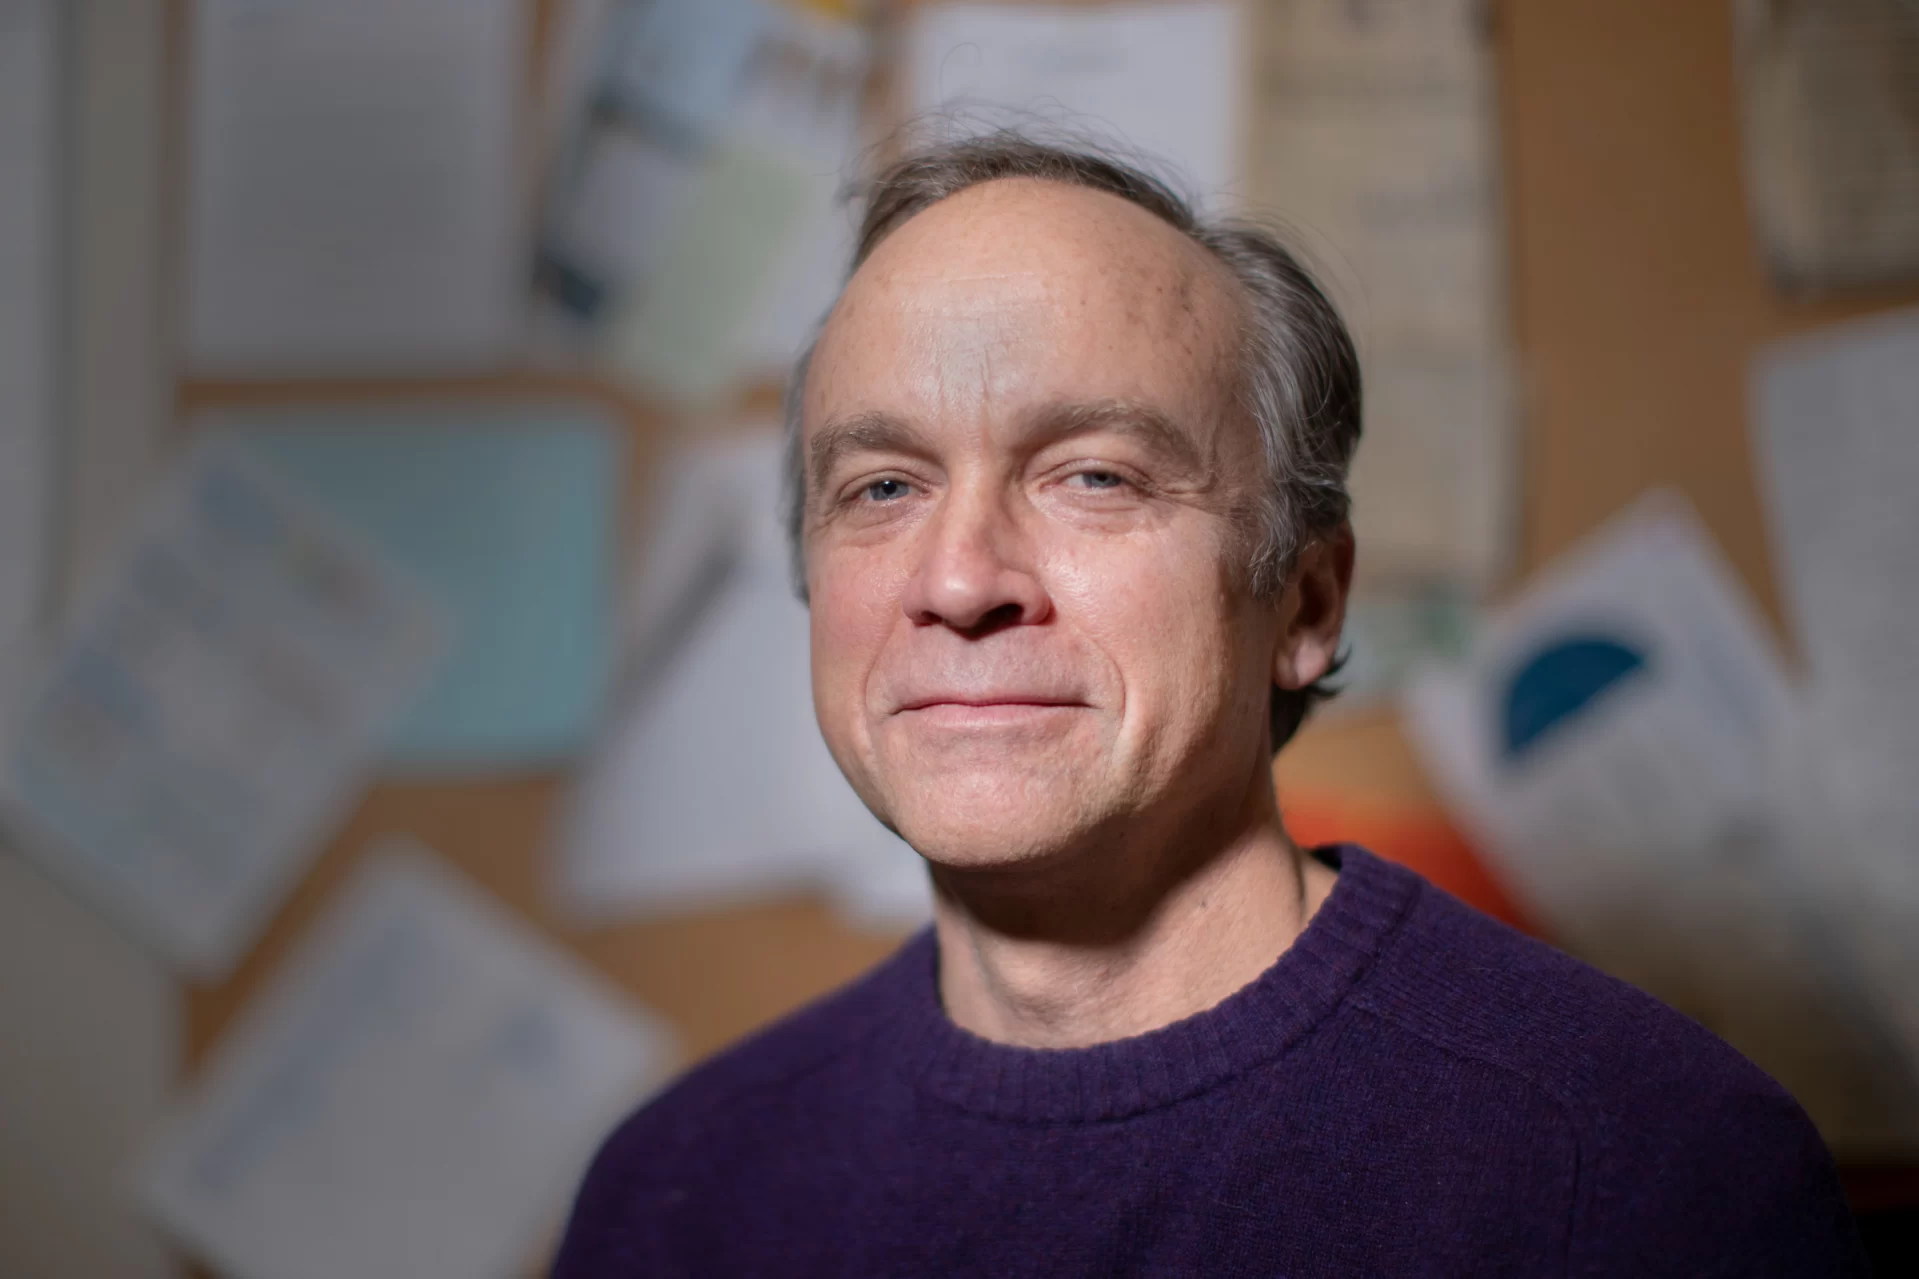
column 1692, row 1160
column 1470, row 984
column 718, row 1113
column 724, row 1092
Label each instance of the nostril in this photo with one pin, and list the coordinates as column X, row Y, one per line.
column 1009, row 614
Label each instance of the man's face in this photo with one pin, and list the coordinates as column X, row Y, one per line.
column 1024, row 472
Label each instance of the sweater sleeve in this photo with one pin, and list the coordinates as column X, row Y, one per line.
column 1736, row 1184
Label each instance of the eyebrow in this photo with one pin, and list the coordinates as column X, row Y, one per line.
column 1139, row 422
column 862, row 433
column 880, row 432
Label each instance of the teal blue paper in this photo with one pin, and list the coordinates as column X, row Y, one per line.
column 508, row 516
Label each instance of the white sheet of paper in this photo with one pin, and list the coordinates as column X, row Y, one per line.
column 715, row 784
column 694, row 232
column 684, row 332
column 641, row 88
column 416, row 1094
column 1162, row 82
column 208, row 713
column 1623, row 745
column 813, row 118
column 29, row 200
column 1376, row 142
column 357, row 188
column 1628, row 706
column 1836, row 429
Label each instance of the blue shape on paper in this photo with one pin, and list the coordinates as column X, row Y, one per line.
column 507, row 515
column 1559, row 681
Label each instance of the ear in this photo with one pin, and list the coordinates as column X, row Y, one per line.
column 1313, row 609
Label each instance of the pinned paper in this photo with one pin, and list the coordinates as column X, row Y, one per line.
column 1624, row 712
column 213, row 709
column 715, row 784
column 509, row 514
column 1376, row 145
column 1836, row 432
column 686, row 331
column 1161, row 83
column 416, row 1095
column 694, row 235
column 1624, row 747
column 357, row 198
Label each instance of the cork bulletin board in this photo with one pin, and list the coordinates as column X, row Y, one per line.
column 1637, row 297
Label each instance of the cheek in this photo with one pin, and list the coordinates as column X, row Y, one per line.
column 1164, row 615
column 855, row 604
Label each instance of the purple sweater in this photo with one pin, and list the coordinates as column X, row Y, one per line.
column 1411, row 1089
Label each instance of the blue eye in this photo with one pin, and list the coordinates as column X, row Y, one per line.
column 887, row 490
column 1099, row 479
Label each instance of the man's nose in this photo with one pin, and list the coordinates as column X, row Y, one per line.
column 974, row 572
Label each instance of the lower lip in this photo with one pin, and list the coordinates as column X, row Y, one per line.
column 989, row 715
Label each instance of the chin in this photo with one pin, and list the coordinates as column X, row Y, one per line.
column 983, row 820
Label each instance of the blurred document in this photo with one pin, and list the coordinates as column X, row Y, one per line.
column 683, row 63
column 1623, row 746
column 211, row 710
column 1161, row 83
column 357, row 193
column 1622, row 714
column 1376, row 139
column 509, row 515
column 685, row 332
column 416, row 1095
column 1830, row 100
column 29, row 99
column 1837, row 435
column 693, row 232
column 715, row 785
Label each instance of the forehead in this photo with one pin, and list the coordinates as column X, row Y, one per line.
column 1029, row 291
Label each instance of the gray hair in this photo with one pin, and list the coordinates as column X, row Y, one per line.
column 1299, row 373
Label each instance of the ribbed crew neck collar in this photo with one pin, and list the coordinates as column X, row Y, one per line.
column 1128, row 1076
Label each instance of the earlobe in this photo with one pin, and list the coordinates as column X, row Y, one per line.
column 1313, row 609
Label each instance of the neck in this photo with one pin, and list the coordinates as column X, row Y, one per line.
column 1059, row 959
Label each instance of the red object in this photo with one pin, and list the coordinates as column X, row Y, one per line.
column 1419, row 839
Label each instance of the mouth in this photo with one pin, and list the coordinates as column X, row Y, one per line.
column 986, row 712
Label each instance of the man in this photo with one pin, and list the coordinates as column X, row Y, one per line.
column 1071, row 518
